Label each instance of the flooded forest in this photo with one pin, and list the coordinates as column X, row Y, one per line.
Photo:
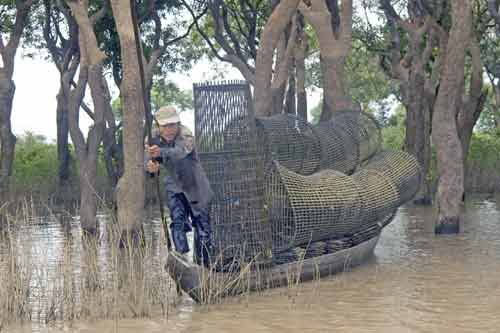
column 330, row 165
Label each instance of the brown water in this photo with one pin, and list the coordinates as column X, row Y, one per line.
column 416, row 282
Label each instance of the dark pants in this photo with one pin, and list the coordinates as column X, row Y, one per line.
column 180, row 212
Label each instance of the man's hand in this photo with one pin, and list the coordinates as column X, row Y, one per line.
column 153, row 166
column 153, row 151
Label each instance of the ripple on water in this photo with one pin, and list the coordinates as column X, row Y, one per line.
column 416, row 282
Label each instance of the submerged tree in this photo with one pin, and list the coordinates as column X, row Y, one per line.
column 444, row 131
column 332, row 24
column 130, row 190
column 13, row 19
column 91, row 75
column 60, row 32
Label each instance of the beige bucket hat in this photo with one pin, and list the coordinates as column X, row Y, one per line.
column 167, row 115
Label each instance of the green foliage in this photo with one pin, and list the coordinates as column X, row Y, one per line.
column 365, row 80
column 35, row 164
column 393, row 131
column 7, row 16
column 35, row 168
column 489, row 120
column 393, row 137
column 163, row 93
column 485, row 150
column 32, row 33
column 116, row 106
column 245, row 20
column 316, row 112
column 366, row 83
column 168, row 93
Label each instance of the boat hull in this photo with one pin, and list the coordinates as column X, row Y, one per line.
column 207, row 286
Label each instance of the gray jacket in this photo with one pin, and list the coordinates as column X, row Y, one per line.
column 184, row 171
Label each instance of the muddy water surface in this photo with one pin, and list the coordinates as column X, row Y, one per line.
column 416, row 282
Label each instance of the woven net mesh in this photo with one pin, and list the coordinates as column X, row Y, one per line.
column 225, row 131
column 289, row 140
column 341, row 143
column 301, row 191
column 348, row 139
column 330, row 204
column 314, row 249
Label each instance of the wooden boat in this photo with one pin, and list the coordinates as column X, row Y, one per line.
column 207, row 285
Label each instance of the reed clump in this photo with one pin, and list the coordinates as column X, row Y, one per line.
column 50, row 271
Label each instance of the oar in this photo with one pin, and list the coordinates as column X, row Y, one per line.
column 148, row 119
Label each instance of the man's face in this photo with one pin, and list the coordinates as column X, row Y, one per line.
column 169, row 131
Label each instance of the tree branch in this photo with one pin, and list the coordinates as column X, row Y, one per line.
column 276, row 24
column 283, row 67
column 100, row 13
column 396, row 59
column 9, row 51
column 346, row 22
column 493, row 9
column 334, row 9
column 84, row 106
column 203, row 34
column 55, row 52
column 476, row 83
column 229, row 32
column 390, row 13
column 76, row 96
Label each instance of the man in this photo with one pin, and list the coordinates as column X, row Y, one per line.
column 187, row 187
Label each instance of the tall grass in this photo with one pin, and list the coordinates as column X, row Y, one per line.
column 50, row 273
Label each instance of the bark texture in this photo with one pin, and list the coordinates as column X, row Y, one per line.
column 300, row 69
column 273, row 31
column 7, row 89
column 417, row 72
column 131, row 186
column 90, row 74
column 333, row 26
column 65, row 55
column 472, row 103
column 444, row 124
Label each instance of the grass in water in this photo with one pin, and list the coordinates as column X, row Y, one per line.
column 50, row 272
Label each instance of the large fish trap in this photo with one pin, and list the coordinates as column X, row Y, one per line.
column 348, row 139
column 225, row 130
column 331, row 205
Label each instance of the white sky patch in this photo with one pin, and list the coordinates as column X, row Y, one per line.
column 37, row 85
column 35, row 103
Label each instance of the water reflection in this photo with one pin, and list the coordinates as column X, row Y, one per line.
column 416, row 282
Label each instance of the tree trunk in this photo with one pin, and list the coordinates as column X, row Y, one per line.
column 334, row 89
column 63, row 153
column 91, row 59
column 497, row 104
column 473, row 104
column 290, row 102
column 417, row 141
column 278, row 88
column 7, row 138
column 7, row 89
column 131, row 186
column 87, row 152
column 273, row 30
column 113, row 157
column 333, row 26
column 418, row 84
column 300, row 70
column 444, row 126
column 88, row 195
column 466, row 128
